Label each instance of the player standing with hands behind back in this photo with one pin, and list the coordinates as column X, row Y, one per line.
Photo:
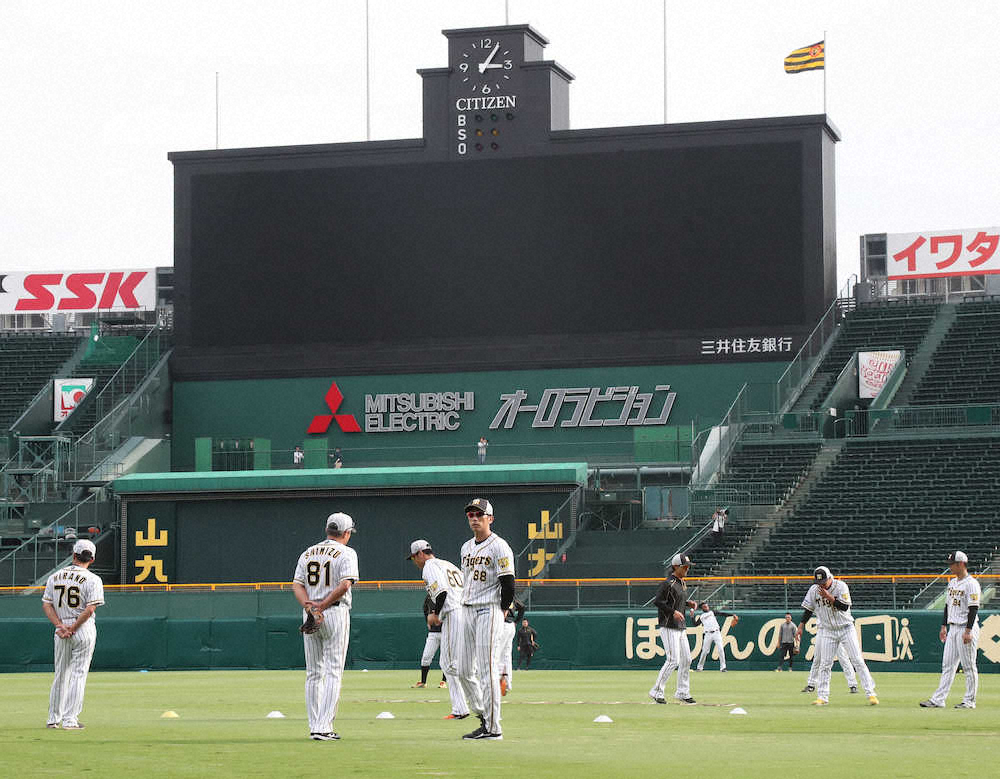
column 322, row 585
column 960, row 635
column 488, row 572
column 72, row 595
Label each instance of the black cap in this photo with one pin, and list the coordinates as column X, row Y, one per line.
column 821, row 574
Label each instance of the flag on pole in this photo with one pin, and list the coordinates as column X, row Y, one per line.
column 807, row 58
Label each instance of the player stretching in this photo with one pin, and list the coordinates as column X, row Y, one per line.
column 444, row 589
column 960, row 634
column 72, row 595
column 711, row 634
column 845, row 666
column 670, row 601
column 830, row 600
column 322, row 585
column 488, row 566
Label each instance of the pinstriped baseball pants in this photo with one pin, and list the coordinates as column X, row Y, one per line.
column 480, row 650
column 72, row 658
column 451, row 633
column 326, row 653
column 507, row 655
column 828, row 644
column 845, row 666
column 678, row 657
column 957, row 651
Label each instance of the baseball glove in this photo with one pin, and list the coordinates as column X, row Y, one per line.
column 313, row 620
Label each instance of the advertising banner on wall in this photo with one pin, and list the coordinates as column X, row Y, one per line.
column 937, row 255
column 102, row 290
column 873, row 371
column 67, row 394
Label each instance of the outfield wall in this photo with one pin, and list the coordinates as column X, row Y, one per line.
column 260, row 630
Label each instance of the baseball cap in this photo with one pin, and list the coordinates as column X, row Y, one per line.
column 418, row 546
column 481, row 504
column 85, row 549
column 821, row 574
column 957, row 557
column 340, row 523
column 680, row 559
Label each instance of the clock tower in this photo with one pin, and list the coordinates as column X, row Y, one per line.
column 497, row 97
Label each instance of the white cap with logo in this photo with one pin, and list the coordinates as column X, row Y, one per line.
column 339, row 523
column 85, row 549
column 957, row 557
column 418, row 546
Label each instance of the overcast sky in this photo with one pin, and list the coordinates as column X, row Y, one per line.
column 94, row 94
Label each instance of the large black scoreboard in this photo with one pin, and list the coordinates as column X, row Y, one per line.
column 501, row 238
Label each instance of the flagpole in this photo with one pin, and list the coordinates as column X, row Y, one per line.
column 826, row 60
column 368, row 81
column 216, row 109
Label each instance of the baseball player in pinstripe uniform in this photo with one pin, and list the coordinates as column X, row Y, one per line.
column 488, row 573
column 830, row 600
column 432, row 644
column 444, row 589
column 322, row 585
column 72, row 595
column 514, row 616
column 960, row 635
column 845, row 666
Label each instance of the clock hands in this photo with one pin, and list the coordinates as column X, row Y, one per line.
column 488, row 63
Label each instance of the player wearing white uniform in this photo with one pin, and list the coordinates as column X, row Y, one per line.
column 444, row 588
column 432, row 644
column 72, row 595
column 960, row 635
column 488, row 573
column 830, row 600
column 845, row 666
column 711, row 634
column 514, row 615
column 322, row 585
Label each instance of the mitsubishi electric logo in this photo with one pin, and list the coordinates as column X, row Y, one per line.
column 400, row 412
column 347, row 422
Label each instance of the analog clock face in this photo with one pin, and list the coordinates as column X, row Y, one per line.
column 485, row 66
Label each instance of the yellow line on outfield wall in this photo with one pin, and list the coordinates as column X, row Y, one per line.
column 407, row 584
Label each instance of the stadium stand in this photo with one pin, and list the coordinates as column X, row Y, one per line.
column 892, row 506
column 870, row 327
column 27, row 362
column 966, row 366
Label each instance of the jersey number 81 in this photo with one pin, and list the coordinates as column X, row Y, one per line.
column 312, row 573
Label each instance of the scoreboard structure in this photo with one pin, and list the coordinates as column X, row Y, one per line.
column 502, row 239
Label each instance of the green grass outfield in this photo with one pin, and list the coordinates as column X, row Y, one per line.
column 548, row 728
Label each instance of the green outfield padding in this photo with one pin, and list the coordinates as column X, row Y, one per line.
column 223, row 630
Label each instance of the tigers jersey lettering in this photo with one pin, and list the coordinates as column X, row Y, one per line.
column 828, row 617
column 71, row 590
column 482, row 566
column 962, row 593
column 323, row 566
column 441, row 576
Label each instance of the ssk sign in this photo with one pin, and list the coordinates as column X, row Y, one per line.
column 40, row 293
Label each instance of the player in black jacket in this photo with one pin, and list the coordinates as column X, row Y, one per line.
column 671, row 601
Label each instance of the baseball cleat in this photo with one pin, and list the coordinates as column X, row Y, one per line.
column 686, row 701
column 485, row 735
column 52, row 725
column 777, row 670
column 723, row 670
column 442, row 684
column 656, row 700
column 873, row 700
column 418, row 685
column 74, row 726
column 929, row 704
column 808, row 688
column 964, row 705
column 503, row 685
column 854, row 691
column 456, row 716
column 330, row 736
column 820, row 702
column 478, row 731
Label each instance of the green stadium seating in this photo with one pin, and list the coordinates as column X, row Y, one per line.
column 27, row 362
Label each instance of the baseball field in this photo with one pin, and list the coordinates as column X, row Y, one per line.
column 222, row 728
